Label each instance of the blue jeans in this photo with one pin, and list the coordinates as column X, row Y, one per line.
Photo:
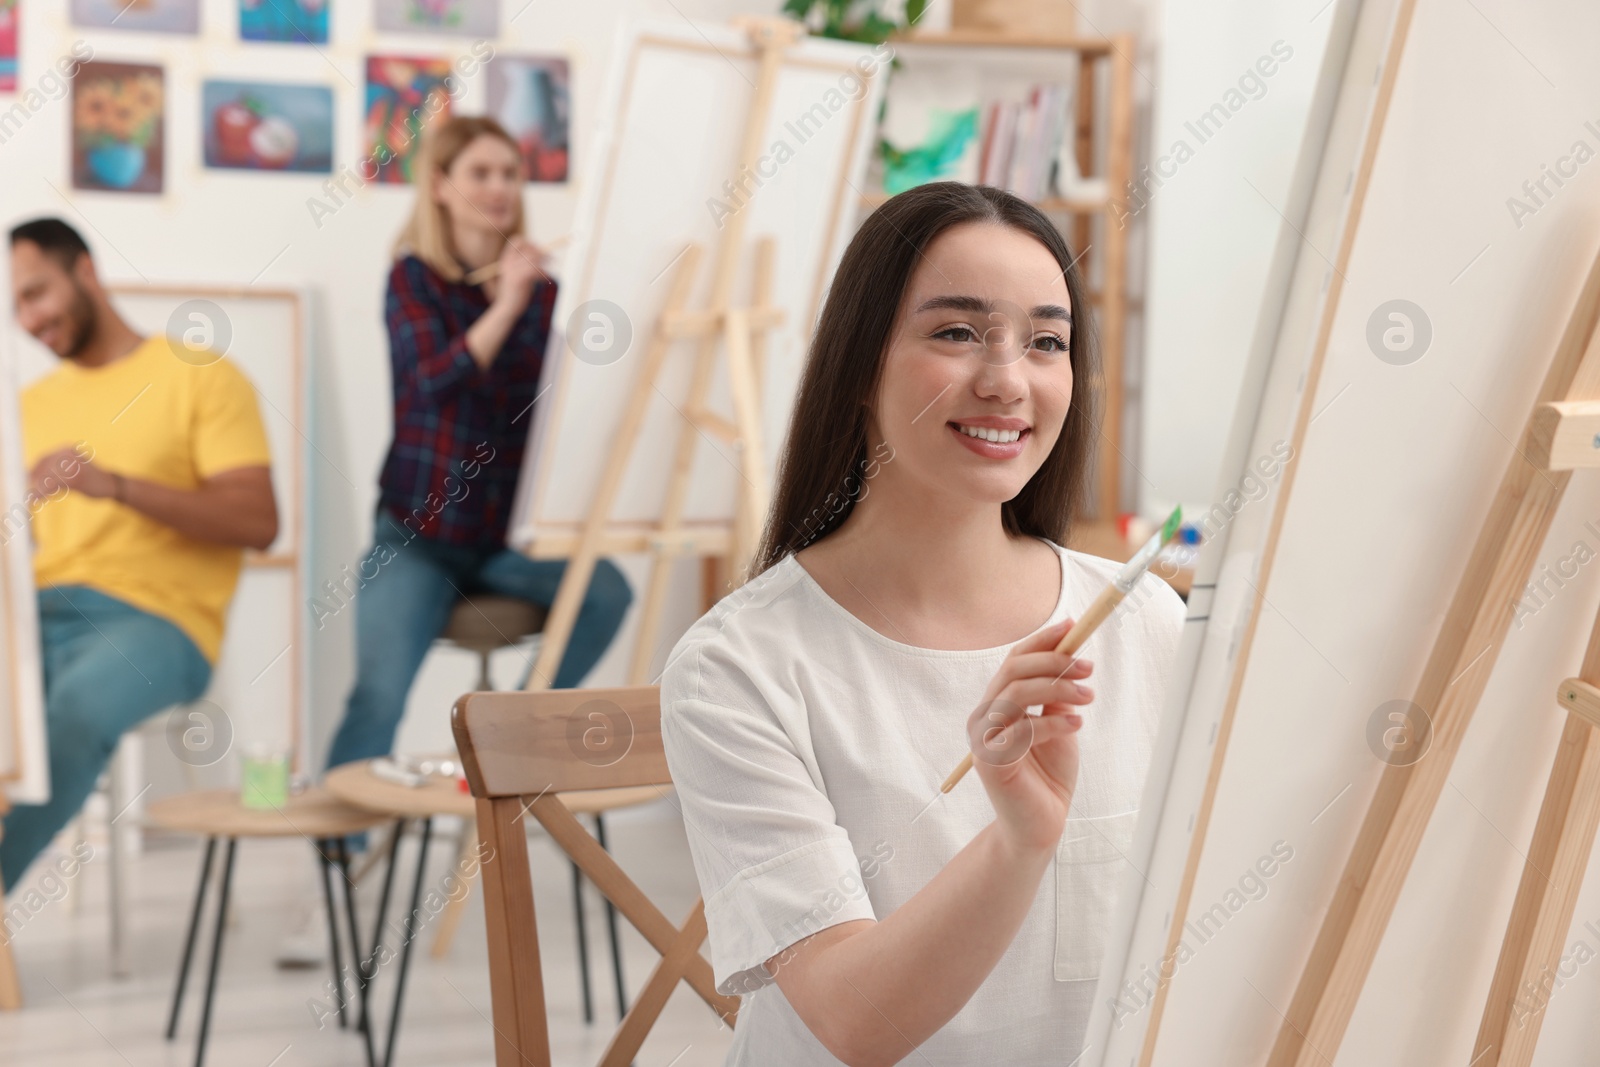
column 107, row 667
column 409, row 585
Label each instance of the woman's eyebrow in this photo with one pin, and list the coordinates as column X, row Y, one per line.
column 979, row 306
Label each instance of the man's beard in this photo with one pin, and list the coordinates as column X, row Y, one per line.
column 83, row 324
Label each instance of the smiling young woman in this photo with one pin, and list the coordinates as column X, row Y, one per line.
column 810, row 717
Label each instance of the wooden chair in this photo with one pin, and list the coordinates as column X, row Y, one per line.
column 520, row 750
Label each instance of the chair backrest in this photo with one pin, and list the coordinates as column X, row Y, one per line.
column 516, row 745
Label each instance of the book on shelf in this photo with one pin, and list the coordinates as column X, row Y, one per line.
column 1022, row 144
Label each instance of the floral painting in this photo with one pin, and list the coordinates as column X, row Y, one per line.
column 404, row 94
column 291, row 21
column 266, row 126
column 528, row 96
column 117, row 127
column 468, row 18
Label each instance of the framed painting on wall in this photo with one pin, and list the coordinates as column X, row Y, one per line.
column 528, row 95
column 404, row 93
column 118, row 128
column 267, row 126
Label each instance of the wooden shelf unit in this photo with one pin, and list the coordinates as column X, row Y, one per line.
column 1109, row 256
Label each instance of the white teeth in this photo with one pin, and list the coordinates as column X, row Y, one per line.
column 996, row 436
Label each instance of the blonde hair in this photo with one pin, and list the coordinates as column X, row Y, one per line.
column 427, row 233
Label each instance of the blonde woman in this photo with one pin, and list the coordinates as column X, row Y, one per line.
column 465, row 360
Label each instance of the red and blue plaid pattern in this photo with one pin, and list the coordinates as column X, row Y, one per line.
column 459, row 431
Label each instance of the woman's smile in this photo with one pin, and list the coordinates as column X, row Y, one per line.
column 991, row 436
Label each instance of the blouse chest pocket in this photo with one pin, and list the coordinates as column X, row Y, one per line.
column 1090, row 863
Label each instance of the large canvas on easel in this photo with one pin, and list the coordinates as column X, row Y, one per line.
column 261, row 678
column 24, row 766
column 663, row 162
column 1318, row 606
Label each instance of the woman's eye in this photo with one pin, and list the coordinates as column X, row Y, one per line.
column 959, row 334
column 1050, row 343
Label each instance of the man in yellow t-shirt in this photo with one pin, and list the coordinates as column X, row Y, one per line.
column 148, row 476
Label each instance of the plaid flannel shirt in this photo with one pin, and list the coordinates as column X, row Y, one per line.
column 459, row 430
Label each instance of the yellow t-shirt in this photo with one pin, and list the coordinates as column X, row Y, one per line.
column 154, row 416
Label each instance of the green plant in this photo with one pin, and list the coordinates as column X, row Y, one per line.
column 852, row 20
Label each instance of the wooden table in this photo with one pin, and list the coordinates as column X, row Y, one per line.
column 356, row 784
column 316, row 815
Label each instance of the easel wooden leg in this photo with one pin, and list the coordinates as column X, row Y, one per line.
column 752, row 448
column 1546, row 897
column 10, row 984
column 580, row 565
column 451, row 918
column 1457, row 671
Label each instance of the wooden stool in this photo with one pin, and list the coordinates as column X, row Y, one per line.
column 315, row 815
column 485, row 623
column 355, row 784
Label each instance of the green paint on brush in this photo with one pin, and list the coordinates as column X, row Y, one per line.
column 1170, row 529
column 1130, row 574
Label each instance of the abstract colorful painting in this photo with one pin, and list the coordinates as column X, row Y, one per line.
column 293, row 21
column 404, row 94
column 8, row 46
column 146, row 16
column 117, row 127
column 266, row 126
column 528, row 96
column 469, row 18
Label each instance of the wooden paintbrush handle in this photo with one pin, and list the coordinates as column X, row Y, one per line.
column 1086, row 624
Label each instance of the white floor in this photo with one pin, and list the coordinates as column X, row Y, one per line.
column 77, row 1015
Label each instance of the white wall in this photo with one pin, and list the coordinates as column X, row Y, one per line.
column 1209, row 236
column 1212, row 226
column 243, row 228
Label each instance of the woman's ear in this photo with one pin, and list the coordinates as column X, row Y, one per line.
column 438, row 186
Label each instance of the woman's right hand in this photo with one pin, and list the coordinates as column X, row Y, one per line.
column 1029, row 764
column 520, row 271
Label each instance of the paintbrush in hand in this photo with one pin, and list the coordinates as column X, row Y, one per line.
column 1098, row 611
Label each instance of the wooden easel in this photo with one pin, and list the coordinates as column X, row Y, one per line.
column 742, row 331
column 1458, row 670
column 1563, row 436
column 10, row 984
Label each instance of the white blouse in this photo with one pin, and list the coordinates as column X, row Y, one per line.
column 804, row 744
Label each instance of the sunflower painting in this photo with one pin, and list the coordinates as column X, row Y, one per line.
column 403, row 95
column 117, row 127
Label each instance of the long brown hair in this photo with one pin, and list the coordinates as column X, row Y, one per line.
column 826, row 450
column 427, row 231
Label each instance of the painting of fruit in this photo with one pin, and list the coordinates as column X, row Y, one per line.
column 267, row 126
column 117, row 127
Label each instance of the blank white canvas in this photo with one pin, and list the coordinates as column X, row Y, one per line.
column 667, row 143
column 1398, row 469
column 24, row 765
column 260, row 678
